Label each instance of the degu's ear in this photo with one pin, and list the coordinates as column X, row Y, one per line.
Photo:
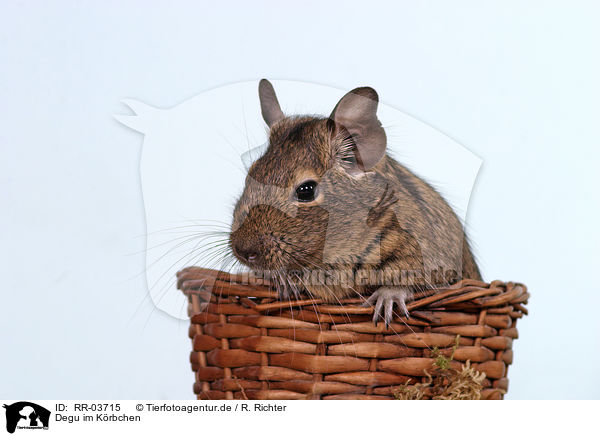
column 269, row 105
column 356, row 113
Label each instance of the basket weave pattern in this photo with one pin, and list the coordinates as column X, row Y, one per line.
column 249, row 345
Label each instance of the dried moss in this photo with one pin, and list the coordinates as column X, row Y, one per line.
column 445, row 382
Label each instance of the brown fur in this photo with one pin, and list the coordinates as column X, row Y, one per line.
column 380, row 219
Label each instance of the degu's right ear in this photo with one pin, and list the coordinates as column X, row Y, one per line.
column 269, row 106
column 356, row 113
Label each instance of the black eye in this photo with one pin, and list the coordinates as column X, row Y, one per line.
column 306, row 191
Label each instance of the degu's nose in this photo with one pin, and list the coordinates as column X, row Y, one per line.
column 247, row 254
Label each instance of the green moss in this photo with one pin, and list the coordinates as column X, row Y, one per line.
column 441, row 361
column 445, row 382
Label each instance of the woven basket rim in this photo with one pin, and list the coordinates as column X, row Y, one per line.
column 465, row 295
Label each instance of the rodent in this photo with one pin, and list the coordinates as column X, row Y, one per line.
column 327, row 196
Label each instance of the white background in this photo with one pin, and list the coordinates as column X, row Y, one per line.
column 516, row 84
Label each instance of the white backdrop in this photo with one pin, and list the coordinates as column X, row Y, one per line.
column 515, row 84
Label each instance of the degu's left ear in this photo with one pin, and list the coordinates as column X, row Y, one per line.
column 356, row 112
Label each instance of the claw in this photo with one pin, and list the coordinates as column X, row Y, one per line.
column 384, row 298
column 389, row 305
column 377, row 310
column 401, row 301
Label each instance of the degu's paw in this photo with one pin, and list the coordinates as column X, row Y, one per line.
column 384, row 299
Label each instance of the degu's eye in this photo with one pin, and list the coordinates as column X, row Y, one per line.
column 306, row 191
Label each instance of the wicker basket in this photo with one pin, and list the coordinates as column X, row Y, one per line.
column 249, row 345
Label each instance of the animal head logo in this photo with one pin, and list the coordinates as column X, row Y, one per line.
column 196, row 156
column 26, row 415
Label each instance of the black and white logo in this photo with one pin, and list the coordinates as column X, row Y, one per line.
column 26, row 415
